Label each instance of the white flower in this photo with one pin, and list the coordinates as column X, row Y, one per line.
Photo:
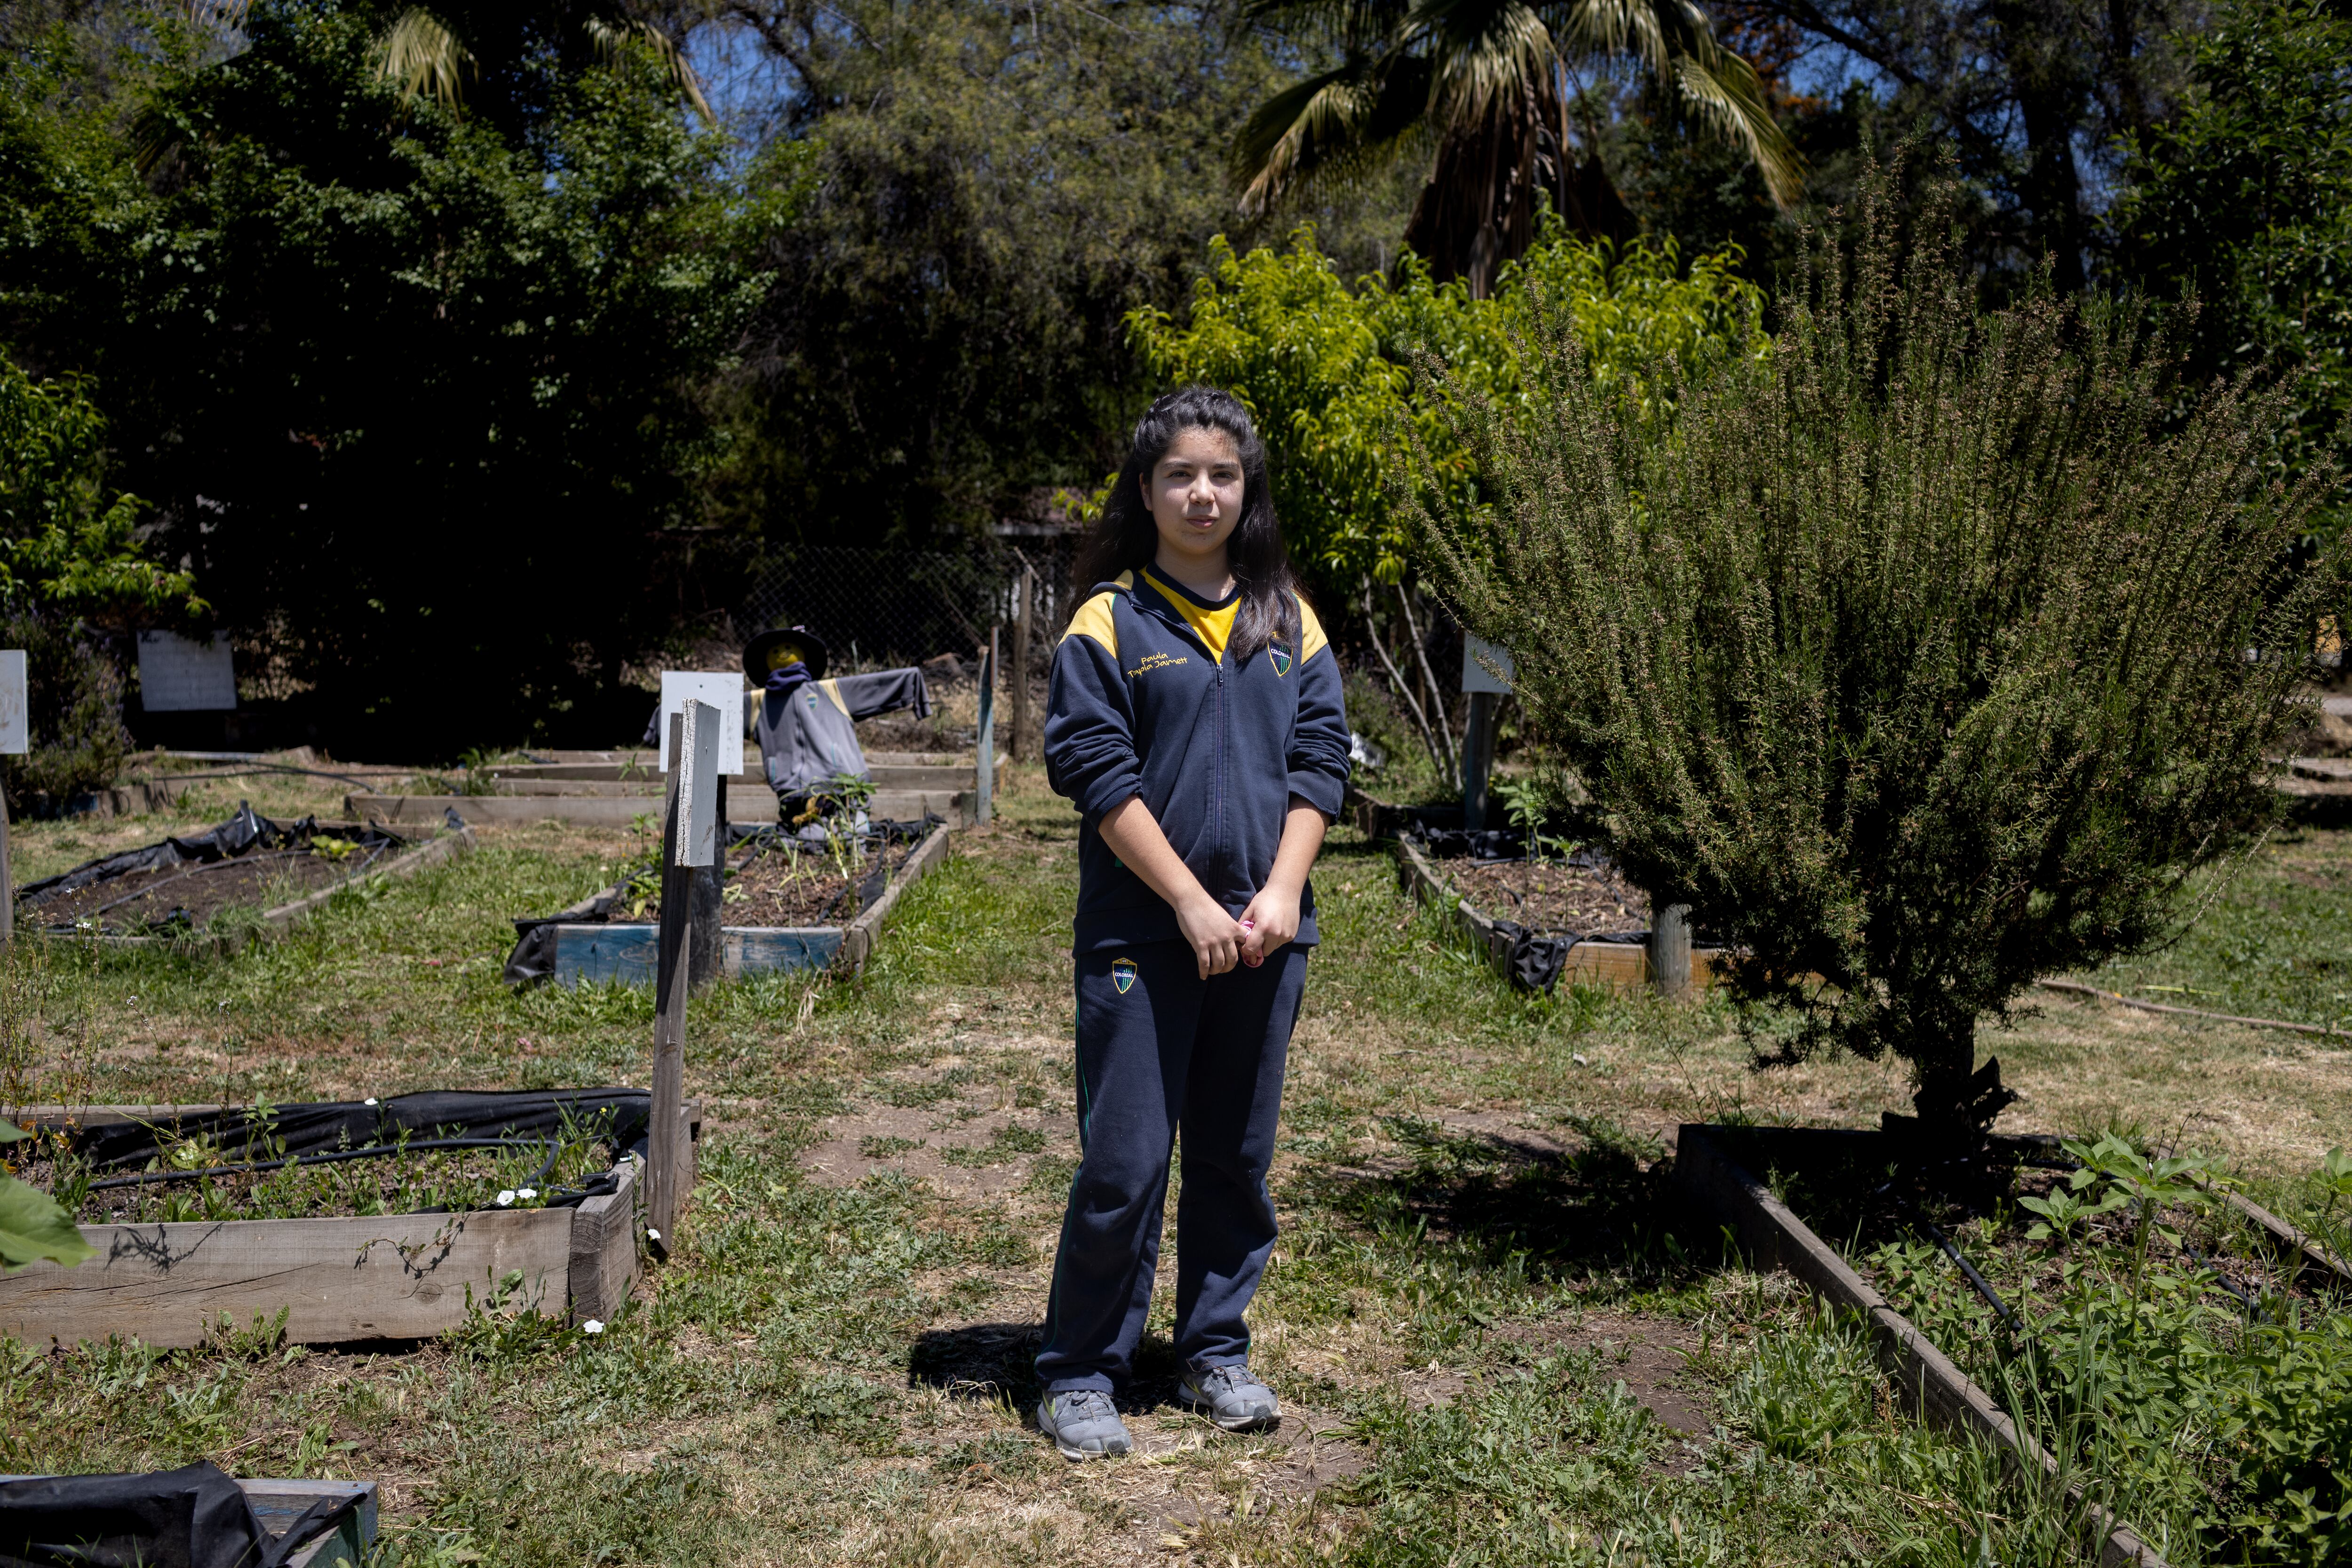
column 652, row 1235
column 592, row 1327
column 505, row 1198
column 526, row 1194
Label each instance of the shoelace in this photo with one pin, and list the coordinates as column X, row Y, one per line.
column 1229, row 1377
column 1087, row 1404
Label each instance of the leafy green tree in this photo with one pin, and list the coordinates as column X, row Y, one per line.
column 991, row 187
column 66, row 539
column 2243, row 199
column 72, row 567
column 1916, row 660
column 418, row 401
column 1495, row 87
column 1326, row 368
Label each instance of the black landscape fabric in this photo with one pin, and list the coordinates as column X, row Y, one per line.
column 196, row 1517
column 358, row 1124
column 248, row 830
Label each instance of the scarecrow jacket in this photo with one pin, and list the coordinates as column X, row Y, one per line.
column 1148, row 700
column 808, row 737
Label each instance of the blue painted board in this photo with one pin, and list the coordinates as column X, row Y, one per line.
column 628, row 953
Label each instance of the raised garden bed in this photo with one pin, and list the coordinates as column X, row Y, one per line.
column 182, row 1254
column 1524, row 914
column 176, row 889
column 621, row 810
column 2214, row 1318
column 787, row 904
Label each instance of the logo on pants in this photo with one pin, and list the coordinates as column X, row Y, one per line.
column 1122, row 975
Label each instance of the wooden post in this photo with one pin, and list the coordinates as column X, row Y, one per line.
column 1477, row 758
column 16, row 740
column 8, row 881
column 1025, row 597
column 986, row 746
column 1670, row 950
column 685, row 840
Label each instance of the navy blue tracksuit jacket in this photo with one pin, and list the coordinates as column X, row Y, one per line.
column 1149, row 699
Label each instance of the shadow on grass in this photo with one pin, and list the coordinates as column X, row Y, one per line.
column 991, row 1362
column 1605, row 1202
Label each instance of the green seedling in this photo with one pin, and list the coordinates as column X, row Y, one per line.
column 2149, row 1184
column 329, row 848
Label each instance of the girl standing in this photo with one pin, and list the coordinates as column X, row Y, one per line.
column 1195, row 720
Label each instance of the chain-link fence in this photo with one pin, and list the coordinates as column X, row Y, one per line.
column 879, row 608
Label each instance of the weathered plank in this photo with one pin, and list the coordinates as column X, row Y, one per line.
column 891, row 769
column 392, row 1277
column 626, row 953
column 762, row 950
column 613, row 811
column 604, row 1268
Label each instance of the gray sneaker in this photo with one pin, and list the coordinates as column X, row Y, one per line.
column 1083, row 1424
column 1230, row 1397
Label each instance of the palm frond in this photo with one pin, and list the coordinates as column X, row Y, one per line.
column 1728, row 99
column 423, row 54
column 610, row 36
column 1646, row 29
column 1341, row 123
column 1488, row 55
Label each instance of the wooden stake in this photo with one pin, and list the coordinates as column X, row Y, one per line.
column 1022, row 613
column 8, row 881
column 1477, row 758
column 1670, row 950
column 987, row 743
column 672, row 981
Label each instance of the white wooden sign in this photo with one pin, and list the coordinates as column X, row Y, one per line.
column 723, row 691
column 15, row 728
column 697, row 781
column 1476, row 654
column 180, row 675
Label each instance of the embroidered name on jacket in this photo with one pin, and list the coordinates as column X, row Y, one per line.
column 1157, row 661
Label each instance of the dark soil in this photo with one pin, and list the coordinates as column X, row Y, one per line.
column 780, row 883
column 420, row 1183
column 1548, row 896
column 189, row 896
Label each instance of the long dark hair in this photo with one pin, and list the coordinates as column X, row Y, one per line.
column 1126, row 539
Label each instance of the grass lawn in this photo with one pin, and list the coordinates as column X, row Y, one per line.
column 1496, row 1340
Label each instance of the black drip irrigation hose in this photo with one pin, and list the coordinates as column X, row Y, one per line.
column 331, row 1156
column 1983, row 1286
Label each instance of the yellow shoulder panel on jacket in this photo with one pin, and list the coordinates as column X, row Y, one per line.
column 1094, row 620
column 1311, row 640
column 832, row 688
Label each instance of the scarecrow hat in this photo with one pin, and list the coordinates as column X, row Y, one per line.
column 757, row 652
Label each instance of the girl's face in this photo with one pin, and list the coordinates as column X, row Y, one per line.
column 1194, row 492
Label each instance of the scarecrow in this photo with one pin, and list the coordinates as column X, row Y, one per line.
column 807, row 726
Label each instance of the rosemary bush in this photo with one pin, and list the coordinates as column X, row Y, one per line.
column 1920, row 657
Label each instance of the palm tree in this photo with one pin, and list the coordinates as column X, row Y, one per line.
column 433, row 49
column 1494, row 83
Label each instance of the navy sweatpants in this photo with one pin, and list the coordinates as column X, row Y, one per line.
column 1158, row 1046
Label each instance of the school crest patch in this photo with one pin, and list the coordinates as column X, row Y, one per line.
column 1281, row 657
column 1122, row 975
